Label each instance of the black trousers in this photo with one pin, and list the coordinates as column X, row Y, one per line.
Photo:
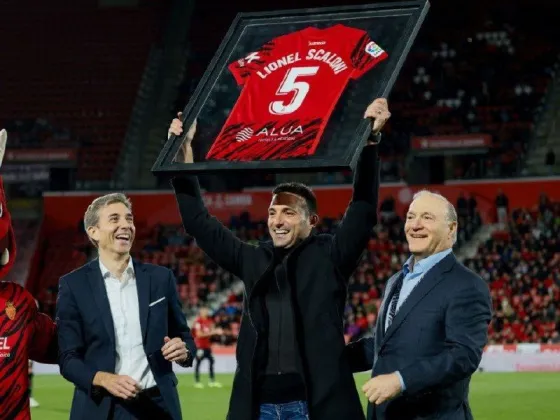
column 207, row 354
column 148, row 405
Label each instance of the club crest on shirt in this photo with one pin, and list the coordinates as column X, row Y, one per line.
column 10, row 310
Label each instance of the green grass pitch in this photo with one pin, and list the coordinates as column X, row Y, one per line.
column 493, row 396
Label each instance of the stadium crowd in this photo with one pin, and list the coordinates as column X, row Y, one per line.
column 522, row 266
column 448, row 86
column 521, row 263
column 200, row 280
column 474, row 75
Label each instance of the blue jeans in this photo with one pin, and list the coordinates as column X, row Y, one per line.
column 295, row 410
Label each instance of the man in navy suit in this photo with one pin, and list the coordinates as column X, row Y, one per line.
column 431, row 327
column 120, row 326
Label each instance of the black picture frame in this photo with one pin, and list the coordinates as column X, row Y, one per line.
column 409, row 14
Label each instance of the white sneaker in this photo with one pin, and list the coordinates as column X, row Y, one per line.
column 214, row 384
column 33, row 402
column 198, row 385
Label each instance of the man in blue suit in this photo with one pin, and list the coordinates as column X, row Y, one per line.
column 431, row 327
column 120, row 326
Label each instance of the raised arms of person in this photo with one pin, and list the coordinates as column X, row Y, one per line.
column 360, row 218
column 211, row 235
column 466, row 330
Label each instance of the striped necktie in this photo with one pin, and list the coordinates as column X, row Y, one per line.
column 394, row 301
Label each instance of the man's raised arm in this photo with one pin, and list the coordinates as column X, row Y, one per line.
column 211, row 235
column 360, row 218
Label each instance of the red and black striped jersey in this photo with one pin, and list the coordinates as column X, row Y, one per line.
column 25, row 334
column 290, row 88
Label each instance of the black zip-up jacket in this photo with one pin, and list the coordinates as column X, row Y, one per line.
column 318, row 269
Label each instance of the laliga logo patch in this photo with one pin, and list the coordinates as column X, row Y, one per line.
column 10, row 310
column 374, row 50
column 244, row 134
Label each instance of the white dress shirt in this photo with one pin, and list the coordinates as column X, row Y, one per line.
column 131, row 359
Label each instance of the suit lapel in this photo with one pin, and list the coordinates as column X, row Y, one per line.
column 99, row 293
column 143, row 285
column 430, row 280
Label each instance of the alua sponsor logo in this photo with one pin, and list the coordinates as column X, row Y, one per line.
column 244, row 134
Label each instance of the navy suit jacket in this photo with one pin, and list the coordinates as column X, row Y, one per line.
column 435, row 341
column 86, row 334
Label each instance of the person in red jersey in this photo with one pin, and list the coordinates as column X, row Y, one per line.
column 204, row 329
column 25, row 333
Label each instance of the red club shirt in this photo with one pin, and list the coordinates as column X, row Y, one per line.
column 290, row 88
column 202, row 326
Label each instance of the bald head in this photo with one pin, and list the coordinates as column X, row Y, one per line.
column 451, row 213
column 431, row 224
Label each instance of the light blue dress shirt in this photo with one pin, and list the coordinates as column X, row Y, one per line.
column 411, row 280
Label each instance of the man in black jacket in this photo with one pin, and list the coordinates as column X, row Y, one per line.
column 291, row 350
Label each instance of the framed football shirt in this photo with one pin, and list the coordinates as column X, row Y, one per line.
column 286, row 89
column 289, row 88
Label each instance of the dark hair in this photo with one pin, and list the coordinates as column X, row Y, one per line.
column 301, row 190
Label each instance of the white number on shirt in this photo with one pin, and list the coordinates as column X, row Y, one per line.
column 289, row 85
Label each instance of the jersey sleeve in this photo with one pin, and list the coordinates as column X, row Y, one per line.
column 365, row 54
column 43, row 346
column 245, row 67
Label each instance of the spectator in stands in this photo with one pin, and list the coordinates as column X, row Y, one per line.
column 544, row 204
column 472, row 206
column 115, row 317
column 387, row 208
column 521, row 267
column 462, row 206
column 432, row 327
column 296, row 286
column 502, row 206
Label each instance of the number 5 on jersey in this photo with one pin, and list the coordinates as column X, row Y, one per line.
column 291, row 84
